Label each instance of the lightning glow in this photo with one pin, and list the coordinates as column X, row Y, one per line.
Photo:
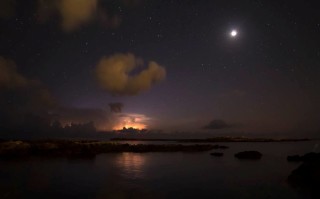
column 136, row 121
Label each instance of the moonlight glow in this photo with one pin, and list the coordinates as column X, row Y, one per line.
column 233, row 33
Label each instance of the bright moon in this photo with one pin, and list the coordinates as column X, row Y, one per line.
column 233, row 33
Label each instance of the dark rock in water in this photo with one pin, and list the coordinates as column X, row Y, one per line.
column 216, row 154
column 306, row 178
column 311, row 157
column 305, row 158
column 252, row 155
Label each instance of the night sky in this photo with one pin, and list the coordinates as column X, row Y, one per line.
column 169, row 65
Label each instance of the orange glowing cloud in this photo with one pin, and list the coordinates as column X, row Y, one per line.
column 114, row 73
column 136, row 121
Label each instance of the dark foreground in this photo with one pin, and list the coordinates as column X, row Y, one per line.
column 267, row 173
column 306, row 178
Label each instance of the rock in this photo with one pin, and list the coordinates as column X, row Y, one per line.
column 87, row 149
column 294, row 158
column 216, row 154
column 252, row 155
column 305, row 158
column 14, row 148
column 306, row 178
column 311, row 157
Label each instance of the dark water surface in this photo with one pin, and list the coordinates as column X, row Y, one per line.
column 157, row 175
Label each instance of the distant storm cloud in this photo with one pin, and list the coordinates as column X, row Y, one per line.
column 217, row 124
column 115, row 74
column 101, row 118
column 116, row 107
column 131, row 120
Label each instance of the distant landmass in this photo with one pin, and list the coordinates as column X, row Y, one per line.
column 218, row 139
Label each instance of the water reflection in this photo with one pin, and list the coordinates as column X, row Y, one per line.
column 132, row 164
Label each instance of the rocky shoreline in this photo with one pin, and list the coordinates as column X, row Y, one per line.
column 85, row 148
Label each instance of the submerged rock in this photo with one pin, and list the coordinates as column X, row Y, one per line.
column 216, row 154
column 252, row 155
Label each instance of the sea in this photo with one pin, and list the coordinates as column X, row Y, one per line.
column 158, row 175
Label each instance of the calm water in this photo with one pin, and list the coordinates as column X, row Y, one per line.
column 157, row 175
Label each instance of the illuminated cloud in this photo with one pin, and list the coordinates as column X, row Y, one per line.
column 114, row 74
column 103, row 120
column 73, row 13
column 130, row 120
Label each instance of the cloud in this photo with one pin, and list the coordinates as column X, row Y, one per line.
column 11, row 81
column 7, row 8
column 23, row 101
column 109, row 21
column 101, row 118
column 131, row 120
column 114, row 74
column 116, row 107
column 217, row 124
column 73, row 13
column 9, row 77
column 26, row 105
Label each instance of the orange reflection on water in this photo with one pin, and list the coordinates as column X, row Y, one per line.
column 132, row 164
